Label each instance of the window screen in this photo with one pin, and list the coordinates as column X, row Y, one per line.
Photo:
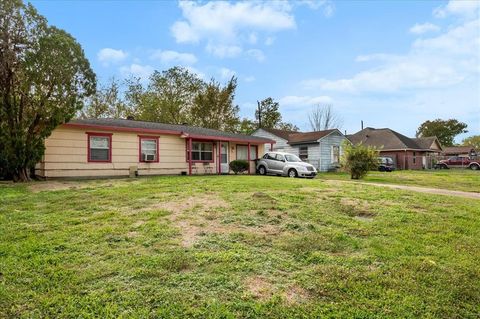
column 149, row 147
column 99, row 148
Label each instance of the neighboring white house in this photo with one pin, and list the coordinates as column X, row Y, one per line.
column 321, row 148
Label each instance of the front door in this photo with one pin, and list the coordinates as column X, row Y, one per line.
column 224, row 158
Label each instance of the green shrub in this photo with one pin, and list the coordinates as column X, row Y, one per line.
column 359, row 159
column 238, row 166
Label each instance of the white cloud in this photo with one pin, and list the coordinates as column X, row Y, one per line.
column 224, row 51
column 328, row 6
column 424, row 28
column 463, row 8
column 108, row 55
column 301, row 101
column 226, row 20
column 226, row 74
column 169, row 57
column 252, row 38
column 375, row 57
column 137, row 70
column 256, row 54
column 269, row 40
column 435, row 62
column 249, row 78
column 225, row 27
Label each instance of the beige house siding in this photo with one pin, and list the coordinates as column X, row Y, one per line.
column 66, row 155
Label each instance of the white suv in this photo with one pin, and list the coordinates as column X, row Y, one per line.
column 285, row 164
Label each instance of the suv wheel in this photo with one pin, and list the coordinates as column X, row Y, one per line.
column 474, row 167
column 292, row 173
column 262, row 170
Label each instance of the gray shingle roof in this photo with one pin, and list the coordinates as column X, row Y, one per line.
column 385, row 138
column 152, row 126
column 299, row 137
column 426, row 142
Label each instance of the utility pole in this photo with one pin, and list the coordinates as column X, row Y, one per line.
column 362, row 124
column 259, row 111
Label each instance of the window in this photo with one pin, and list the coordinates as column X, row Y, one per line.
column 202, row 152
column 242, row 152
column 280, row 157
column 303, row 153
column 335, row 154
column 99, row 147
column 148, row 151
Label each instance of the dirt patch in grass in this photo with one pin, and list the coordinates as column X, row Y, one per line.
column 296, row 294
column 259, row 287
column 58, row 185
column 194, row 215
column 358, row 208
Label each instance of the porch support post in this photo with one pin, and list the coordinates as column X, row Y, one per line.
column 219, row 167
column 189, row 156
column 248, row 157
column 271, row 147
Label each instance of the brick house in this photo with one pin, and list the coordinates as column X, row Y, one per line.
column 407, row 153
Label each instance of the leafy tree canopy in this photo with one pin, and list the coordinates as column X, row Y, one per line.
column 44, row 80
column 473, row 141
column 268, row 115
column 213, row 107
column 444, row 130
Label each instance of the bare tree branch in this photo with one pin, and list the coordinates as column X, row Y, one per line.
column 322, row 117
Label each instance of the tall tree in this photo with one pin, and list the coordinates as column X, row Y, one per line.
column 44, row 80
column 473, row 141
column 267, row 114
column 106, row 103
column 444, row 130
column 322, row 117
column 287, row 127
column 214, row 107
column 169, row 97
column 246, row 126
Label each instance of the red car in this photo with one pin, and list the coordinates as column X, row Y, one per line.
column 459, row 162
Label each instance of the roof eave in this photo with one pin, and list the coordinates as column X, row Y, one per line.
column 165, row 132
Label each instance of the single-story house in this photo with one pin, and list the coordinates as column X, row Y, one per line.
column 462, row 151
column 322, row 149
column 116, row 147
column 407, row 153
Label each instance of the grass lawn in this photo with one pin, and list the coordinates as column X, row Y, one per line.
column 236, row 247
column 454, row 179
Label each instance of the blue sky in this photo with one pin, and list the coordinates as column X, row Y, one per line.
column 389, row 63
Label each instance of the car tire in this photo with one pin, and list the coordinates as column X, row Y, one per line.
column 262, row 170
column 474, row 167
column 292, row 173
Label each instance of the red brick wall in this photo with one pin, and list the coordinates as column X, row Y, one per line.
column 405, row 160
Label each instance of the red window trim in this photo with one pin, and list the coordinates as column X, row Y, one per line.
column 109, row 135
column 200, row 141
column 236, row 150
column 147, row 137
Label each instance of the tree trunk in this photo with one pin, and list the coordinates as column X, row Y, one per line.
column 22, row 175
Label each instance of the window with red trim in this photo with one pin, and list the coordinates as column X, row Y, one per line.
column 148, row 149
column 99, row 147
column 242, row 152
column 201, row 152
